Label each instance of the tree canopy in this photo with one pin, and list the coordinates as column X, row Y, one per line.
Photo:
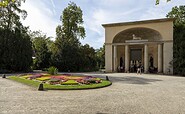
column 41, row 51
column 4, row 3
column 178, row 12
column 67, row 54
column 18, row 44
column 15, row 44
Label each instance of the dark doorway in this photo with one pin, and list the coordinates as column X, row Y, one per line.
column 135, row 54
column 135, row 59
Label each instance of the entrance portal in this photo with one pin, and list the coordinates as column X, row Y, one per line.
column 135, row 59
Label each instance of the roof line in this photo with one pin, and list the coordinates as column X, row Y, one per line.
column 138, row 22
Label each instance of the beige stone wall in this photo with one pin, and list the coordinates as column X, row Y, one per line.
column 167, row 57
column 108, row 58
column 165, row 28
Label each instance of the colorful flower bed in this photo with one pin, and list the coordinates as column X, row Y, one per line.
column 62, row 79
column 61, row 82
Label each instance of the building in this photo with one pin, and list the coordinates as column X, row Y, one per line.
column 148, row 43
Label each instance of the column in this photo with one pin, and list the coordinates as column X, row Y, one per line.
column 126, row 58
column 115, row 58
column 160, row 55
column 146, row 58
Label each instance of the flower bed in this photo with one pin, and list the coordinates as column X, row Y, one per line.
column 62, row 81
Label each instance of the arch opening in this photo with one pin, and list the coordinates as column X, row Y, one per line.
column 139, row 32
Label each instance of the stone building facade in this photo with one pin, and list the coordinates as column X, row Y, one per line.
column 148, row 43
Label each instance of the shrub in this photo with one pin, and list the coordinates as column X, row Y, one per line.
column 52, row 70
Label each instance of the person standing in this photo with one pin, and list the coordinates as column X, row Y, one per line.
column 139, row 68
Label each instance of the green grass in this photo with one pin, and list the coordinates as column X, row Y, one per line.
column 24, row 81
column 70, row 82
column 104, row 83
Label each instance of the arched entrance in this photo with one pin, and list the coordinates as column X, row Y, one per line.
column 137, row 46
column 154, row 38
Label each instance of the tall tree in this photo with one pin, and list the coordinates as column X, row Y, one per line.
column 100, row 54
column 88, row 55
column 72, row 22
column 179, row 39
column 41, row 51
column 15, row 50
column 67, row 51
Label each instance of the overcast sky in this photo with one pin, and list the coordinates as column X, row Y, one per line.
column 44, row 15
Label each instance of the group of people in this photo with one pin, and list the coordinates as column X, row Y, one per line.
column 136, row 66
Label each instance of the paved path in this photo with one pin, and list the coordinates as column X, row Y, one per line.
column 129, row 94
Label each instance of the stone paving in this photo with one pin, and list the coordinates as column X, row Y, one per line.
column 129, row 94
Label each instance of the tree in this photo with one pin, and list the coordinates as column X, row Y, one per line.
column 178, row 12
column 66, row 55
column 157, row 1
column 179, row 39
column 179, row 52
column 72, row 22
column 9, row 17
column 88, row 55
column 15, row 44
column 4, row 3
column 100, row 54
column 41, row 51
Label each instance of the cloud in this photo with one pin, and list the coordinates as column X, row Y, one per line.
column 53, row 6
column 40, row 17
column 98, row 16
column 44, row 14
column 113, row 11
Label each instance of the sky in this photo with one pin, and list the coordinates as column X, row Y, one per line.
column 44, row 15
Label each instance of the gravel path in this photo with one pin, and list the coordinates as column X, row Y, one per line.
column 129, row 94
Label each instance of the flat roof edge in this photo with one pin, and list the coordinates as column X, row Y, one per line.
column 139, row 22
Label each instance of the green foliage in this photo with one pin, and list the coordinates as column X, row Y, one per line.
column 88, row 55
column 178, row 12
column 41, row 51
column 179, row 50
column 15, row 44
column 179, row 39
column 4, row 3
column 66, row 52
column 100, row 54
column 25, row 81
column 72, row 22
column 52, row 70
column 10, row 15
